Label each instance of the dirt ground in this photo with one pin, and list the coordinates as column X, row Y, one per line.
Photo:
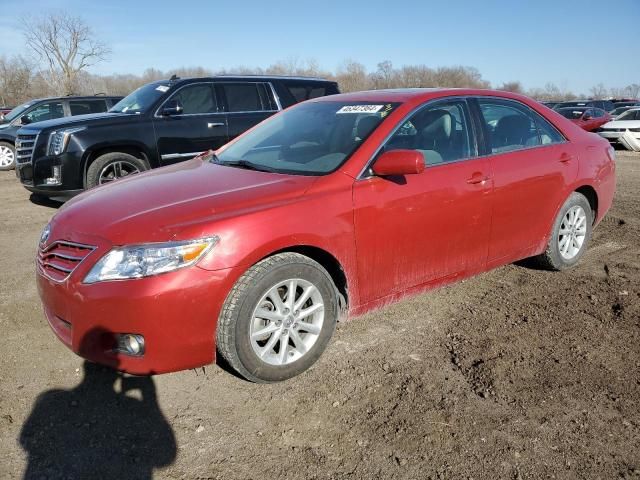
column 515, row 374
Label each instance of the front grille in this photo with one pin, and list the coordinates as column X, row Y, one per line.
column 60, row 259
column 25, row 145
column 614, row 129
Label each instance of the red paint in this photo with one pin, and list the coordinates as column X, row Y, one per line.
column 592, row 123
column 392, row 236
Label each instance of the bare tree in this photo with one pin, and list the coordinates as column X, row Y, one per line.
column 352, row 76
column 16, row 75
column 66, row 45
column 599, row 91
column 515, row 87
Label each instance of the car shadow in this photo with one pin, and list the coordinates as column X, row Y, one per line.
column 109, row 426
column 44, row 201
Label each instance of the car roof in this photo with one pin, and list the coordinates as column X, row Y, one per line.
column 247, row 77
column 72, row 97
column 404, row 95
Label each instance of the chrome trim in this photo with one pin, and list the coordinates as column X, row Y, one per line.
column 42, row 252
column 275, row 96
column 171, row 156
column 28, row 156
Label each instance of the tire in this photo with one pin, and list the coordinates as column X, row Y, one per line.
column 99, row 170
column 7, row 156
column 253, row 294
column 555, row 257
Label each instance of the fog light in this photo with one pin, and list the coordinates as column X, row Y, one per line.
column 56, row 176
column 131, row 344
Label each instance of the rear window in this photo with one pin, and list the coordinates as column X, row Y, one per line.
column 572, row 113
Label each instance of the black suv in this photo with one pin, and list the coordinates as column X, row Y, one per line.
column 159, row 124
column 44, row 109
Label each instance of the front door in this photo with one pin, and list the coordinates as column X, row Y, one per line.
column 200, row 126
column 420, row 228
column 246, row 104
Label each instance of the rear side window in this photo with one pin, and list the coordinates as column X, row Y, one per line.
column 246, row 97
column 84, row 107
column 510, row 125
column 196, row 99
column 301, row 92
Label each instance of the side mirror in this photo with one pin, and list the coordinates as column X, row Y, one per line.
column 25, row 120
column 399, row 162
column 172, row 107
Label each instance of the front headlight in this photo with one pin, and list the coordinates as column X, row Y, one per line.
column 137, row 261
column 59, row 140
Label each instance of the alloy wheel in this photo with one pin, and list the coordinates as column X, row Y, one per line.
column 573, row 231
column 115, row 170
column 287, row 321
column 7, row 157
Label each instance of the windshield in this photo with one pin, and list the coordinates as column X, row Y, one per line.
column 309, row 139
column 571, row 113
column 619, row 110
column 141, row 99
column 17, row 111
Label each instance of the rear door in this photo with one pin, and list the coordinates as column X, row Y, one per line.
column 532, row 164
column 420, row 228
column 246, row 104
column 199, row 127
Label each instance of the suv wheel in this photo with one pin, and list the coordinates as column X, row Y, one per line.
column 7, row 156
column 570, row 234
column 113, row 166
column 278, row 318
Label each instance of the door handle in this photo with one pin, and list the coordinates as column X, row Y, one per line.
column 566, row 158
column 477, row 178
column 215, row 124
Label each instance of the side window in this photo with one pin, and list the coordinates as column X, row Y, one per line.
column 243, row 97
column 46, row 111
column 511, row 126
column 598, row 113
column 441, row 132
column 196, row 99
column 548, row 133
column 84, row 107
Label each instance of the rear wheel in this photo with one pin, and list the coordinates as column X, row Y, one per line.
column 7, row 156
column 278, row 318
column 570, row 234
column 113, row 166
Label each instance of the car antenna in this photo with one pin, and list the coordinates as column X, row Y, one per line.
column 174, row 77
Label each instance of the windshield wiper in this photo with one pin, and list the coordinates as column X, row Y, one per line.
column 243, row 164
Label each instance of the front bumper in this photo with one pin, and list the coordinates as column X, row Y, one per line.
column 176, row 312
column 33, row 174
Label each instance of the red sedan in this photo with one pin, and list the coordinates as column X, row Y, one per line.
column 329, row 209
column 587, row 118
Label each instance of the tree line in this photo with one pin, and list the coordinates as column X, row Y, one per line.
column 64, row 48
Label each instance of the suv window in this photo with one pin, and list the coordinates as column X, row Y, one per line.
column 441, row 132
column 46, row 111
column 197, row 98
column 83, row 107
column 246, row 97
column 511, row 125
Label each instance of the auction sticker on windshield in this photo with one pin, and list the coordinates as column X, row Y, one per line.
column 360, row 109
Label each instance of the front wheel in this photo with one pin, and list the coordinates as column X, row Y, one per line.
column 113, row 166
column 7, row 156
column 570, row 234
column 278, row 318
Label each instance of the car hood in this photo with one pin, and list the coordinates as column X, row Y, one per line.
column 76, row 120
column 172, row 203
column 622, row 124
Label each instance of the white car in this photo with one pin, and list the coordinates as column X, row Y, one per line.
column 625, row 129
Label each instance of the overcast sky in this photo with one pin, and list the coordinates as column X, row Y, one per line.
column 573, row 43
